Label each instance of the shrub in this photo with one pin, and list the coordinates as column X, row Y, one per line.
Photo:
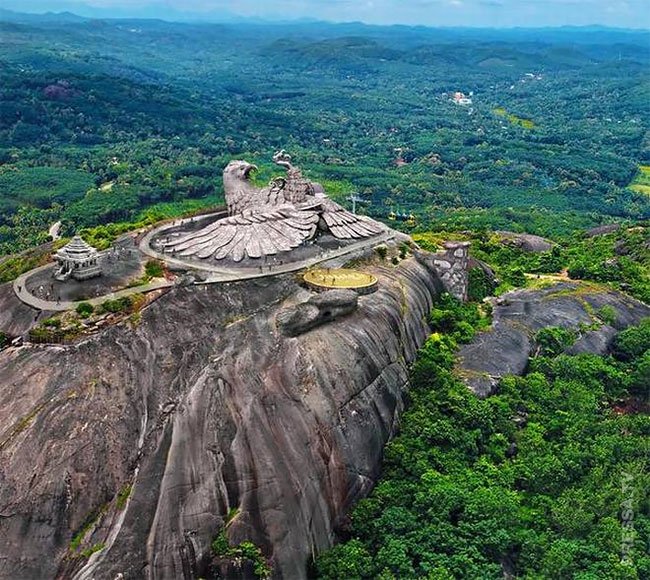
column 154, row 269
column 221, row 548
column 349, row 560
column 123, row 304
column 515, row 276
column 4, row 340
column 554, row 340
column 403, row 250
column 633, row 342
column 480, row 285
column 607, row 314
column 451, row 316
column 382, row 251
column 84, row 309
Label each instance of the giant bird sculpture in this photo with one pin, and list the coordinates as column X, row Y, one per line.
column 270, row 220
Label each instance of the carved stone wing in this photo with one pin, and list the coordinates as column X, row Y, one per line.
column 263, row 231
column 346, row 225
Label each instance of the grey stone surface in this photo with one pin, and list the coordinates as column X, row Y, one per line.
column 16, row 318
column 203, row 406
column 596, row 341
column 319, row 309
column 602, row 230
column 451, row 266
column 517, row 316
column 120, row 265
column 527, row 242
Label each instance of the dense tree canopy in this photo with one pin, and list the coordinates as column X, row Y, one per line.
column 532, row 482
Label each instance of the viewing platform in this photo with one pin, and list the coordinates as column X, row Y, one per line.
column 321, row 279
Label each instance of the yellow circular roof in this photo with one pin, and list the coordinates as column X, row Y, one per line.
column 339, row 278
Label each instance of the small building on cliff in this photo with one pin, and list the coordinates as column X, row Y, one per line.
column 78, row 260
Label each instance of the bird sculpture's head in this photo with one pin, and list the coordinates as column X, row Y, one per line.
column 240, row 193
column 239, row 170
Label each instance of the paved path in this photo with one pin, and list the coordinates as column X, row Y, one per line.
column 20, row 290
column 222, row 274
column 214, row 275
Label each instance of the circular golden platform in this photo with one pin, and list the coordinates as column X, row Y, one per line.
column 333, row 278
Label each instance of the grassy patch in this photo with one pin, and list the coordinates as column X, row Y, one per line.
column 514, row 119
column 86, row 528
column 92, row 549
column 641, row 182
column 123, row 496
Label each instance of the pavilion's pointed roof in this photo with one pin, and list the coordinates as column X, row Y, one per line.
column 77, row 249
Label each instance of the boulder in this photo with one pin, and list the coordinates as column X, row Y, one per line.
column 319, row 309
column 527, row 242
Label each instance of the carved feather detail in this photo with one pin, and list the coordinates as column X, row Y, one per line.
column 270, row 220
column 267, row 231
column 346, row 225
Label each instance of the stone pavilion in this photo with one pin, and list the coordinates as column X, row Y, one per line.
column 78, row 260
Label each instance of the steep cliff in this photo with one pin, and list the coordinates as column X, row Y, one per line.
column 16, row 318
column 135, row 444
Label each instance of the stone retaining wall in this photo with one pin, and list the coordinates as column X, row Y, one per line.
column 451, row 267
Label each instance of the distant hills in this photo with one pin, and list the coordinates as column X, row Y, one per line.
column 75, row 12
column 40, row 12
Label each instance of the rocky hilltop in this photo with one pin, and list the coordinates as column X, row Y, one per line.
column 258, row 407
column 594, row 312
column 125, row 454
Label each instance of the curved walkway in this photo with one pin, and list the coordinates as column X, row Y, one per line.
column 215, row 275
column 145, row 244
column 20, row 289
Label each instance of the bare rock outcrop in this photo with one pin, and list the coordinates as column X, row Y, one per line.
column 527, row 242
column 123, row 454
column 319, row 309
column 16, row 318
column 505, row 348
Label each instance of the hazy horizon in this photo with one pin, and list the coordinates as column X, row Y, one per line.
column 632, row 14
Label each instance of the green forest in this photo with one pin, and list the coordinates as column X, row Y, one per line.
column 112, row 125
column 100, row 119
column 531, row 482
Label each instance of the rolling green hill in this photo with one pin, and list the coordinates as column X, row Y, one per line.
column 556, row 129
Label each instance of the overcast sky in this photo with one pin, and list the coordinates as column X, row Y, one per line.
column 499, row 13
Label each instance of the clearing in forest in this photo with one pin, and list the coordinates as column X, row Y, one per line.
column 641, row 182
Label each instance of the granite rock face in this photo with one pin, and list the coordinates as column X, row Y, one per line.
column 140, row 440
column 319, row 309
column 505, row 348
column 527, row 242
column 16, row 318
